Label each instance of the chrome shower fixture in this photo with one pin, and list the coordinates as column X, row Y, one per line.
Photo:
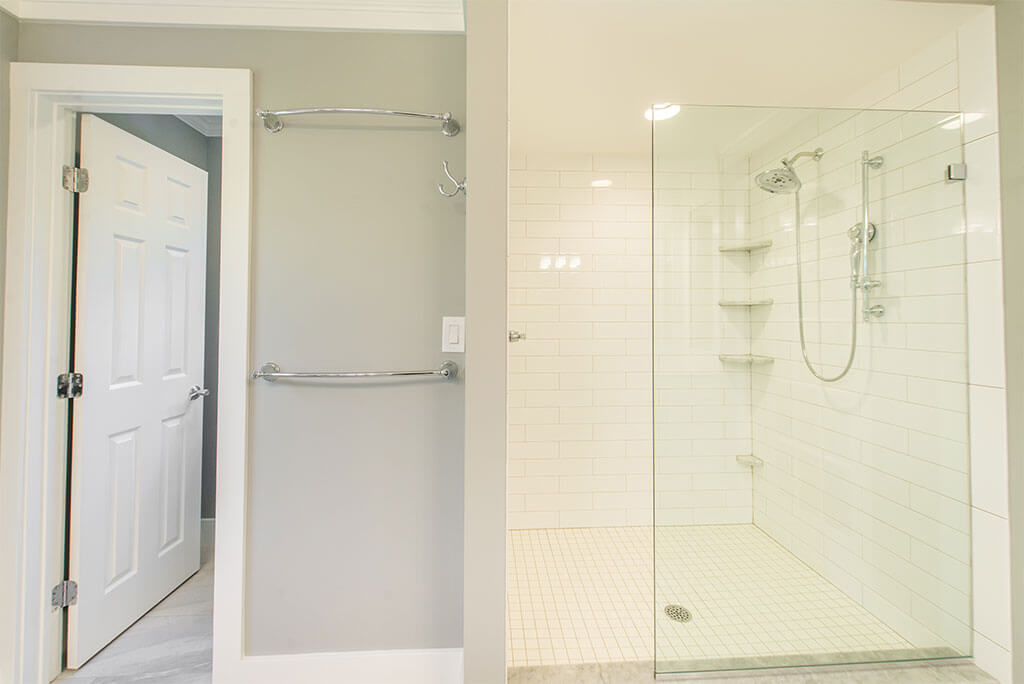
column 785, row 181
column 779, row 181
column 817, row 154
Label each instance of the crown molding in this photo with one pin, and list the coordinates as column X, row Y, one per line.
column 434, row 16
column 209, row 126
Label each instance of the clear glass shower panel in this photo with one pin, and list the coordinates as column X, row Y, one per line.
column 810, row 398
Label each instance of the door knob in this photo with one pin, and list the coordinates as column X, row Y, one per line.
column 515, row 336
column 195, row 391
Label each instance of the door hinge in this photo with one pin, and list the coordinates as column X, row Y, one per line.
column 64, row 594
column 69, row 385
column 75, row 179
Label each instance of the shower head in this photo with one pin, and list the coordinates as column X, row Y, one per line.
column 779, row 181
column 785, row 181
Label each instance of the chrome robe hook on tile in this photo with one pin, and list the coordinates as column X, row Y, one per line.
column 460, row 185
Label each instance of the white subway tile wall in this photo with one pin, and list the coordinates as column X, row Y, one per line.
column 870, row 486
column 976, row 64
column 894, row 529
column 580, row 383
column 701, row 404
column 869, row 481
column 580, row 271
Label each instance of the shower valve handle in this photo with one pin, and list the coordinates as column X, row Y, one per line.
column 877, row 311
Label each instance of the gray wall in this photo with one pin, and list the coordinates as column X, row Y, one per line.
column 8, row 53
column 213, row 168
column 486, row 311
column 172, row 135
column 355, row 493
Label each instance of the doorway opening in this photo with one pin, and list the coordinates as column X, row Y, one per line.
column 47, row 101
column 142, row 450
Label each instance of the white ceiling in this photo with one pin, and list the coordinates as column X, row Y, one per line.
column 446, row 16
column 583, row 71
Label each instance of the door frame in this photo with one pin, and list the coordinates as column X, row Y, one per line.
column 45, row 99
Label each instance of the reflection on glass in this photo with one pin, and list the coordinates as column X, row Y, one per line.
column 811, row 463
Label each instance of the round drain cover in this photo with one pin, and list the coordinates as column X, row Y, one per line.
column 678, row 613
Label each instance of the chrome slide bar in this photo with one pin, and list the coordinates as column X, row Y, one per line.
column 867, row 233
column 271, row 372
column 272, row 117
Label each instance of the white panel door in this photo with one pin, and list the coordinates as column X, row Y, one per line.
column 136, row 435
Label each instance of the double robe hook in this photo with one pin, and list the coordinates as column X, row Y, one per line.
column 460, row 185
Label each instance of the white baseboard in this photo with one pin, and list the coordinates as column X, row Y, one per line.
column 422, row 666
column 207, row 534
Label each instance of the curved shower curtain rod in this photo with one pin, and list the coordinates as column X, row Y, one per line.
column 272, row 117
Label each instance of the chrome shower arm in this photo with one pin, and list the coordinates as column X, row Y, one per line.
column 817, row 154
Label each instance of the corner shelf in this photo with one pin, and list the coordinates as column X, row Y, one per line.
column 749, row 359
column 746, row 302
column 748, row 246
column 749, row 460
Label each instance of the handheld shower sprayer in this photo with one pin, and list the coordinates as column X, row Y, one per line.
column 784, row 180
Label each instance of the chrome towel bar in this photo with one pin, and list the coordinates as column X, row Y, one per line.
column 271, row 372
column 272, row 117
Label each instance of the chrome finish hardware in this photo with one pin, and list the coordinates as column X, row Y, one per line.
column 784, row 181
column 956, row 172
column 272, row 118
column 515, row 336
column 873, row 162
column 64, row 594
column 74, row 179
column 195, row 391
column 460, row 185
column 271, row 372
column 854, row 232
column 70, row 385
column 866, row 236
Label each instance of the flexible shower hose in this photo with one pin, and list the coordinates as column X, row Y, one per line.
column 800, row 309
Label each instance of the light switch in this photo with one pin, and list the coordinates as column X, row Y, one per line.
column 453, row 334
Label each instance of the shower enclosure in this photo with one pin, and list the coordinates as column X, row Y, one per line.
column 811, row 465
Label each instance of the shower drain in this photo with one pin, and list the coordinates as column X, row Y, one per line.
column 678, row 613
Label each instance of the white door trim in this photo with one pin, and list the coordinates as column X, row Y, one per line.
column 33, row 423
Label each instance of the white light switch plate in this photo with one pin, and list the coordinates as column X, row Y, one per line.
column 453, row 334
